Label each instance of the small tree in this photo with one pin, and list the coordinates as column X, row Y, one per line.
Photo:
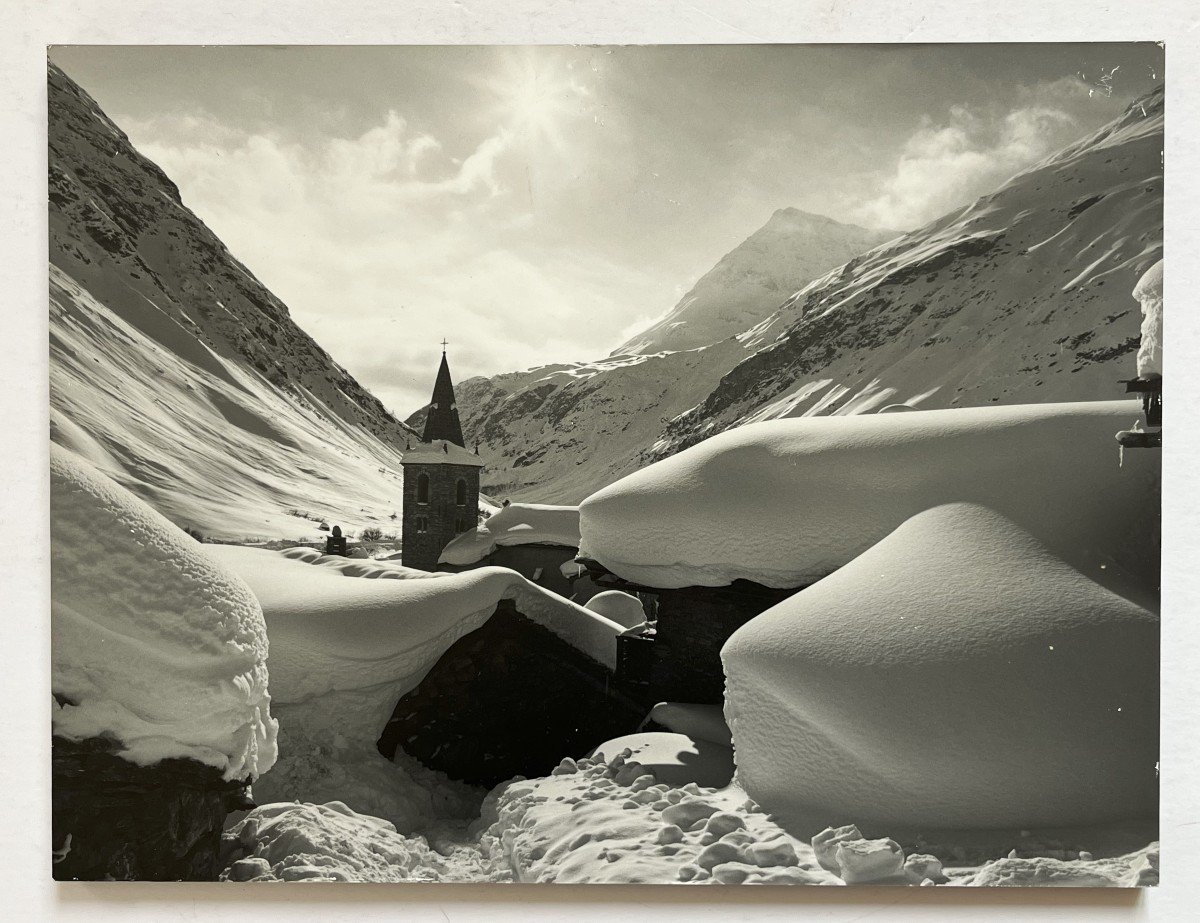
column 371, row 534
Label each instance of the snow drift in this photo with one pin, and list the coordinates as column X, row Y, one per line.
column 515, row 524
column 154, row 643
column 623, row 608
column 786, row 502
column 956, row 675
column 348, row 639
column 1149, row 291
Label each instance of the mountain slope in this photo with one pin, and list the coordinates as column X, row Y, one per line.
column 177, row 372
column 750, row 281
column 556, row 433
column 1021, row 297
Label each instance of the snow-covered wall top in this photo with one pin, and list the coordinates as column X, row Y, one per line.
column 154, row 643
column 1149, row 291
column 516, row 524
column 333, row 631
column 786, row 502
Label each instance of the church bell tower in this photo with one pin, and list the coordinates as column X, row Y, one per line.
column 441, row 480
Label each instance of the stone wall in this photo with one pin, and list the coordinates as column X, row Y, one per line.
column 442, row 512
column 510, row 698
column 693, row 625
column 114, row 820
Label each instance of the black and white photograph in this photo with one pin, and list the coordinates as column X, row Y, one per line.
column 606, row 464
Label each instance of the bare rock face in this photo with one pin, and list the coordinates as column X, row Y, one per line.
column 113, row 820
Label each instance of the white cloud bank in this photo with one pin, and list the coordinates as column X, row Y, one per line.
column 382, row 244
column 946, row 164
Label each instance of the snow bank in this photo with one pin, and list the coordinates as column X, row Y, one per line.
column 1149, row 291
column 154, row 643
column 330, row 842
column 515, row 524
column 1135, row 870
column 675, row 758
column 609, row 820
column 785, row 502
column 956, row 675
column 622, row 608
column 344, row 651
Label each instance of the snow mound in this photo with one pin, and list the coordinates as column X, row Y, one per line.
column 676, row 759
column 154, row 642
column 344, row 651
column 622, row 608
column 786, row 502
column 515, row 524
column 1149, row 291
column 1135, row 870
column 610, row 820
column 956, row 675
column 330, row 842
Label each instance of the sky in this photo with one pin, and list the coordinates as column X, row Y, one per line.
column 537, row 204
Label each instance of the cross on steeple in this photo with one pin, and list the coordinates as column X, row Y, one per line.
column 443, row 346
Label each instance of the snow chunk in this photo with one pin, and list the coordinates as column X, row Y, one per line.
column 786, row 502
column 622, row 608
column 1149, row 291
column 1046, row 708
column 515, row 524
column 331, row 842
column 154, row 642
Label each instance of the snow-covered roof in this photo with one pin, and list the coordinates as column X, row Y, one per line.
column 516, row 524
column 956, row 670
column 334, row 629
column 786, row 502
column 155, row 643
column 440, row 452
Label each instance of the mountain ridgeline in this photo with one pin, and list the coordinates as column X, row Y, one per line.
column 1023, row 296
column 177, row 372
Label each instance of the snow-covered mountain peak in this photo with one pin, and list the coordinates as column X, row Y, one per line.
column 790, row 250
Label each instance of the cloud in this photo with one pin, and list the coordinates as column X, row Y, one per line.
column 946, row 164
column 382, row 244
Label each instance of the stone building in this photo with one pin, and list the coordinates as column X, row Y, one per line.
column 441, row 481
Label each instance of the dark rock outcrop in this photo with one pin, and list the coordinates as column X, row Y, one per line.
column 113, row 820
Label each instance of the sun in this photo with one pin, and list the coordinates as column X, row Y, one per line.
column 536, row 95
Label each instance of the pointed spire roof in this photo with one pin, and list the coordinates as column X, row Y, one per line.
column 442, row 421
